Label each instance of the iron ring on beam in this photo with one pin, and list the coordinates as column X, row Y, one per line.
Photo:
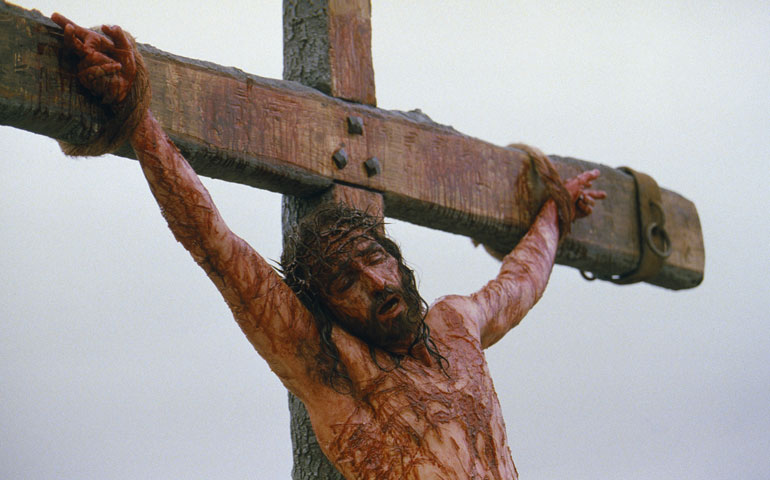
column 653, row 228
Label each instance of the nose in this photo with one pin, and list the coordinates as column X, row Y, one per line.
column 374, row 278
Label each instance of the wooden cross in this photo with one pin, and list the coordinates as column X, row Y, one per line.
column 330, row 141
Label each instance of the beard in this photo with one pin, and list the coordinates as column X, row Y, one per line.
column 400, row 331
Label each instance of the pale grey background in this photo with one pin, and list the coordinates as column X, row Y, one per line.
column 118, row 358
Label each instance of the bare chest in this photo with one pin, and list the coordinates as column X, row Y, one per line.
column 417, row 422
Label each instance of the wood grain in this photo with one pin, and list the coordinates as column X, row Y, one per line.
column 341, row 39
column 350, row 51
column 327, row 46
column 280, row 136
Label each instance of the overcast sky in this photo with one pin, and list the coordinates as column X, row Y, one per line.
column 119, row 359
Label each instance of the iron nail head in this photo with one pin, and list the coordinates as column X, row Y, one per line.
column 372, row 166
column 355, row 125
column 340, row 158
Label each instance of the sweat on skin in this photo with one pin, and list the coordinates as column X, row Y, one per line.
column 411, row 419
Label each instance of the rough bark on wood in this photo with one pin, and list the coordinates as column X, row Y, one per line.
column 309, row 461
column 280, row 136
column 327, row 46
column 326, row 43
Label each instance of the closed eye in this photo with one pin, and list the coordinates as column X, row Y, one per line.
column 373, row 254
column 342, row 283
column 375, row 257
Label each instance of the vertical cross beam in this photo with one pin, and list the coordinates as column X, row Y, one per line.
column 327, row 46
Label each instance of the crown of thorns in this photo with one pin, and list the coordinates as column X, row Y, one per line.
column 320, row 242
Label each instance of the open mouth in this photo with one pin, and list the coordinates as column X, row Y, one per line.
column 389, row 305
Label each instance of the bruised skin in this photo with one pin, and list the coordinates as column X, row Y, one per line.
column 410, row 422
column 267, row 311
column 415, row 422
column 108, row 65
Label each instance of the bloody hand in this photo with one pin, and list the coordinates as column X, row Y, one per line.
column 107, row 67
column 584, row 198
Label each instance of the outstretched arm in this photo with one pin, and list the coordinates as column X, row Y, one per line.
column 268, row 312
column 502, row 303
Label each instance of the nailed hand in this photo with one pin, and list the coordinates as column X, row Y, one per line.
column 107, row 67
column 584, row 197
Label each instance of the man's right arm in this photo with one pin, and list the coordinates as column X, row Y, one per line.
column 272, row 317
column 267, row 311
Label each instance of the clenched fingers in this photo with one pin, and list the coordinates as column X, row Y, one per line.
column 122, row 49
column 82, row 40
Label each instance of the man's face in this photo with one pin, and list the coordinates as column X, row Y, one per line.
column 365, row 292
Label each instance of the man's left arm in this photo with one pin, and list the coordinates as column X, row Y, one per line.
column 502, row 303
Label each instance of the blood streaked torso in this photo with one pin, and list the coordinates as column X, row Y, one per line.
column 415, row 421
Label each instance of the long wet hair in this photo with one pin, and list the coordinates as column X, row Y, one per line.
column 315, row 249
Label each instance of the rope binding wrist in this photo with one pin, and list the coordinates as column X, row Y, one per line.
column 125, row 116
column 554, row 187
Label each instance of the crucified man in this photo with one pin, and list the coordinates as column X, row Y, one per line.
column 394, row 389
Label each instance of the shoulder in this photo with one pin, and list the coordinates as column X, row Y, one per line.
column 453, row 314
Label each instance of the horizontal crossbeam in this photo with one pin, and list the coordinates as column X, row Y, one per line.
column 282, row 136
